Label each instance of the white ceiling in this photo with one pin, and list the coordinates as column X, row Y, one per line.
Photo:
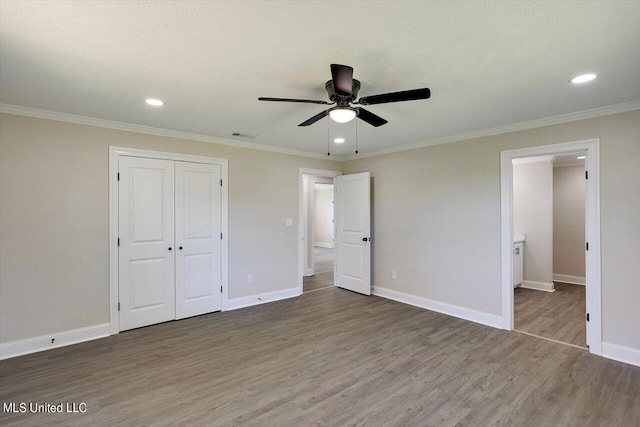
column 488, row 64
column 558, row 160
column 569, row 159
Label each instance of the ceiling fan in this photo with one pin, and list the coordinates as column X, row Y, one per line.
column 343, row 91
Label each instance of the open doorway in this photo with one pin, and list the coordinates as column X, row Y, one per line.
column 320, row 232
column 549, row 247
column 317, row 229
column 517, row 239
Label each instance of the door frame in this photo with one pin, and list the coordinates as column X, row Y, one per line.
column 114, row 154
column 301, row 217
column 309, row 227
column 592, row 232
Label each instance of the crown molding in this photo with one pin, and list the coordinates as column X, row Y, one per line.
column 515, row 127
column 149, row 130
column 110, row 124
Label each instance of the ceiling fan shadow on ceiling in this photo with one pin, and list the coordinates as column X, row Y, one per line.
column 343, row 90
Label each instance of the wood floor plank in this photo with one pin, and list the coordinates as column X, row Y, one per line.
column 328, row 358
column 558, row 315
column 317, row 281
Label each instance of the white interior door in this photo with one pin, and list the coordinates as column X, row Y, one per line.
column 146, row 234
column 353, row 232
column 198, row 239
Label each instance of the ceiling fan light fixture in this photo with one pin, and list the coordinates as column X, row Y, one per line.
column 342, row 115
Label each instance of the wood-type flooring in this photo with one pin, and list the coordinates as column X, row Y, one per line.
column 327, row 358
column 558, row 315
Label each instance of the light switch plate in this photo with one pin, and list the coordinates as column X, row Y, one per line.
column 289, row 222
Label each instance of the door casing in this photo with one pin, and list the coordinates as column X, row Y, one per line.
column 592, row 232
column 301, row 216
column 114, row 153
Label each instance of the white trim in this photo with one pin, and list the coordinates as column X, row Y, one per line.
column 536, row 159
column 302, row 271
column 133, row 152
column 538, row 286
column 515, row 127
column 110, row 124
column 114, row 318
column 62, row 339
column 621, row 353
column 592, row 232
column 323, row 245
column 149, row 130
column 114, row 153
column 251, row 300
column 441, row 307
column 574, row 280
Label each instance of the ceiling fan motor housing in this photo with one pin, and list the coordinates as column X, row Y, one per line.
column 341, row 100
column 343, row 90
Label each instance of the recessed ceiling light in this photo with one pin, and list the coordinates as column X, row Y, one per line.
column 583, row 78
column 154, row 102
column 581, row 157
column 338, row 140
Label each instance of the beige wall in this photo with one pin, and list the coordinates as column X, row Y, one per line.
column 323, row 216
column 54, row 206
column 437, row 218
column 533, row 215
column 568, row 221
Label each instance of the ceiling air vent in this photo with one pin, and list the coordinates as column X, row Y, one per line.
column 243, row 135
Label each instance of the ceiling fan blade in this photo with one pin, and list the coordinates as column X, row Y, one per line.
column 306, row 101
column 314, row 119
column 370, row 118
column 405, row 95
column 342, row 76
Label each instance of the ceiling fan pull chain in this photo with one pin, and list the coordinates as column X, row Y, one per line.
column 356, row 137
column 328, row 138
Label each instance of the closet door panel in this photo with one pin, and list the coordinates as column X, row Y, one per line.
column 198, row 226
column 146, row 231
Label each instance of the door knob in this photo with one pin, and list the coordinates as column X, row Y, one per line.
column 169, row 248
column 180, row 248
column 365, row 239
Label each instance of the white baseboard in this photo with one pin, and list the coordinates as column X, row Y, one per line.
column 538, row 286
column 236, row 303
column 574, row 280
column 43, row 342
column 441, row 307
column 323, row 245
column 621, row 353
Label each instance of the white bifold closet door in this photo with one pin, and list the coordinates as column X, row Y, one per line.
column 198, row 228
column 170, row 243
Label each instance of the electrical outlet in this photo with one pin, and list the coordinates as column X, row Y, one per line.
column 250, row 279
column 394, row 276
